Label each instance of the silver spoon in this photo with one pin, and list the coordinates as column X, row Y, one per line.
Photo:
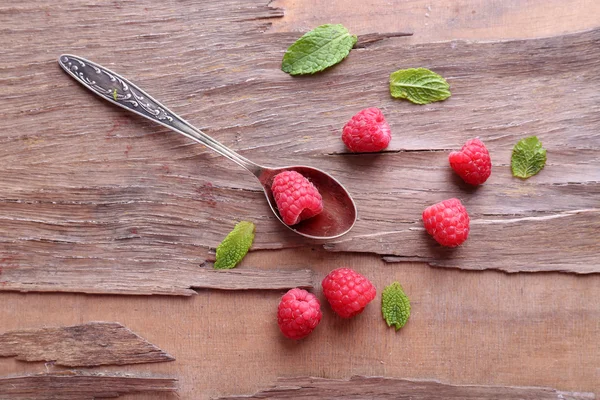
column 339, row 210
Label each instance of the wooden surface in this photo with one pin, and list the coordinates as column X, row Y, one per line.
column 80, row 386
column 360, row 387
column 90, row 195
column 85, row 345
column 434, row 21
column 466, row 327
column 105, row 191
column 158, row 280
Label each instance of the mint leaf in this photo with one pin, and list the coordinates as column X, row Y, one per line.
column 528, row 157
column 235, row 246
column 419, row 85
column 395, row 306
column 318, row 49
column 115, row 94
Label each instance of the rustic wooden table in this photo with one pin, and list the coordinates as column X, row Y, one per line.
column 93, row 200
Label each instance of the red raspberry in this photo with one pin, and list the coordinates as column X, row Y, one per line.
column 472, row 163
column 347, row 291
column 367, row 131
column 298, row 314
column 296, row 197
column 447, row 222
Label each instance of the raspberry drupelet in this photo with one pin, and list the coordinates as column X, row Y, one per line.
column 472, row 163
column 367, row 131
column 348, row 292
column 298, row 314
column 448, row 222
column 296, row 197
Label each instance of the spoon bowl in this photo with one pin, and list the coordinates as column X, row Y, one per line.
column 339, row 211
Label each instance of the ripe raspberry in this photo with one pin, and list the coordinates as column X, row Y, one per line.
column 296, row 197
column 447, row 222
column 367, row 131
column 347, row 291
column 472, row 163
column 298, row 314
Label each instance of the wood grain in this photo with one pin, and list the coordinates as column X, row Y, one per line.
column 120, row 174
column 85, row 345
column 95, row 200
column 466, row 327
column 255, row 279
column 520, row 237
column 154, row 279
column 71, row 385
column 433, row 21
column 361, row 387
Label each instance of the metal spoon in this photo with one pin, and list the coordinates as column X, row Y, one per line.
column 339, row 210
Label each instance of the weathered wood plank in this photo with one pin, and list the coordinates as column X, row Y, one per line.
column 494, row 240
column 445, row 20
column 466, row 327
column 95, row 200
column 85, row 345
column 361, row 387
column 144, row 278
column 486, row 328
column 73, row 385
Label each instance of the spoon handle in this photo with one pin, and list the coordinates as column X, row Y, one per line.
column 118, row 90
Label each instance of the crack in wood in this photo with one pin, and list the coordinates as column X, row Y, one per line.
column 388, row 151
column 413, row 244
column 269, row 13
column 366, row 40
column 540, row 218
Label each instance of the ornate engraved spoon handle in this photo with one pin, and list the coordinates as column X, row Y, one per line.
column 120, row 91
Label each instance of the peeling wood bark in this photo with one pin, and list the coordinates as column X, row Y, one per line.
column 95, row 200
column 86, row 345
column 495, row 239
column 360, row 387
column 71, row 385
column 436, row 22
column 152, row 278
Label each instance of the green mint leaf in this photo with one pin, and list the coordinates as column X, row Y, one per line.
column 115, row 94
column 419, row 85
column 235, row 246
column 318, row 49
column 528, row 157
column 395, row 306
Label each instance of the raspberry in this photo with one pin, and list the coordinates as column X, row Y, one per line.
column 296, row 197
column 472, row 163
column 367, row 131
column 298, row 314
column 347, row 291
column 447, row 222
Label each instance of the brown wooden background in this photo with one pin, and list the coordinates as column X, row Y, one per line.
column 467, row 327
